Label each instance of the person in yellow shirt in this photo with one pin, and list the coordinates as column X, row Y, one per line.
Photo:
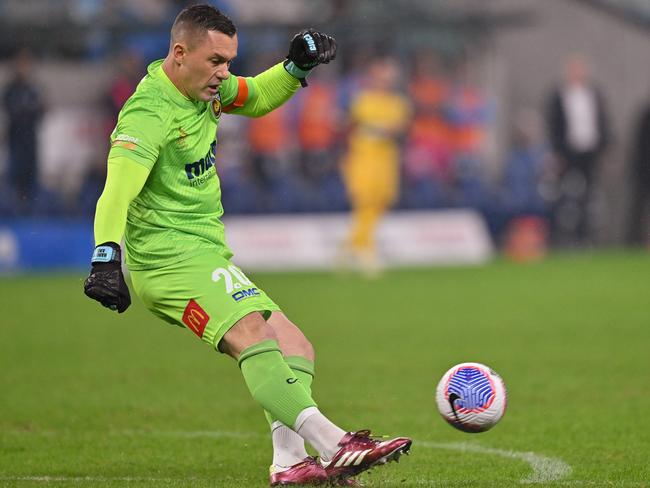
column 379, row 115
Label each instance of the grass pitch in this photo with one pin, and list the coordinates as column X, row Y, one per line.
column 92, row 398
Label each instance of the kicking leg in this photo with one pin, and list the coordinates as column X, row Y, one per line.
column 273, row 384
column 253, row 342
column 289, row 447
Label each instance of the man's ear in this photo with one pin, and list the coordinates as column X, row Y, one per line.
column 179, row 51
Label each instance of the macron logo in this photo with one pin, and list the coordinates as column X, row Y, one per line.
column 126, row 138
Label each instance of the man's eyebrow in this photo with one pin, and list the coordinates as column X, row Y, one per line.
column 221, row 56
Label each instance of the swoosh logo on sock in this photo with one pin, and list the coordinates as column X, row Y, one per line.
column 291, row 381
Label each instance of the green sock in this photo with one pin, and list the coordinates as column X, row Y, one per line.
column 303, row 368
column 272, row 383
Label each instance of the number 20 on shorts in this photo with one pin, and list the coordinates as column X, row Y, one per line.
column 234, row 279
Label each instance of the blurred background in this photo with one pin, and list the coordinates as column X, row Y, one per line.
column 532, row 117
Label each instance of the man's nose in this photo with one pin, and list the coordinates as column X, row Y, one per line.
column 223, row 71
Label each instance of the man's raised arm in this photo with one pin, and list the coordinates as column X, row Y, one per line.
column 258, row 95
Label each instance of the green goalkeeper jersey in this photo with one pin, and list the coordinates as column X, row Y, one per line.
column 177, row 214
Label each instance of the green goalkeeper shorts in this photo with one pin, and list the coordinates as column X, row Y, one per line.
column 206, row 294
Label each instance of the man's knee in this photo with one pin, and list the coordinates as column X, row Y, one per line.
column 249, row 330
column 292, row 340
column 300, row 346
column 308, row 350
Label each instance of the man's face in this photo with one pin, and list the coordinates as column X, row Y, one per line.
column 384, row 74
column 206, row 64
column 577, row 71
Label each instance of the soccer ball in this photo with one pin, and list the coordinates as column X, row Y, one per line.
column 471, row 397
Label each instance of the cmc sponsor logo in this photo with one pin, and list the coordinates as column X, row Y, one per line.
column 240, row 295
column 198, row 168
column 195, row 318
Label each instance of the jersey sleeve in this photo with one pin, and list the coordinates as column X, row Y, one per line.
column 257, row 96
column 124, row 181
column 140, row 131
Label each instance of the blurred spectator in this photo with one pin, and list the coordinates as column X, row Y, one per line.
column 24, row 106
column 236, row 185
column 130, row 70
column 527, row 168
column 525, row 196
column 355, row 65
column 579, row 134
column 270, row 140
column 64, row 165
column 378, row 116
column 428, row 152
column 639, row 224
column 318, row 119
column 467, row 110
column 468, row 114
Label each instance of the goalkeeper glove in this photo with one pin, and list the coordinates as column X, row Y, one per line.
column 308, row 49
column 106, row 282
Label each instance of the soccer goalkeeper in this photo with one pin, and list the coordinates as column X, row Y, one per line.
column 162, row 195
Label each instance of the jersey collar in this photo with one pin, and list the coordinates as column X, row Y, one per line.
column 156, row 71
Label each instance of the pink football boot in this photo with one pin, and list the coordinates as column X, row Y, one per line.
column 307, row 472
column 360, row 452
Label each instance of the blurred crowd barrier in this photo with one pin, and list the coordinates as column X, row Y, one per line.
column 476, row 132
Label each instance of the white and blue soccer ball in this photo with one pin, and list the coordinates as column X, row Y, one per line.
column 471, row 397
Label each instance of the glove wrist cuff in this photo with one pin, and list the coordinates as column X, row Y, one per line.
column 108, row 252
column 295, row 71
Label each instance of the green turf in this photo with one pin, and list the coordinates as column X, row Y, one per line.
column 92, row 398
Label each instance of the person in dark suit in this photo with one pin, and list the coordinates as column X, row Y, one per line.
column 639, row 225
column 24, row 107
column 579, row 134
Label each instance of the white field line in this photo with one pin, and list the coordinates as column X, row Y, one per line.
column 545, row 469
column 499, row 484
column 93, row 479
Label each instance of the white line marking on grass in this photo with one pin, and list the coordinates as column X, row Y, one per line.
column 545, row 468
column 91, row 479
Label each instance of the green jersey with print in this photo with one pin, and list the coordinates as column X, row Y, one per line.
column 178, row 212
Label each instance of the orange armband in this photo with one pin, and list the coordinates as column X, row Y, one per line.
column 242, row 95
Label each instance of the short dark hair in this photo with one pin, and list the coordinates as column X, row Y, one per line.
column 197, row 19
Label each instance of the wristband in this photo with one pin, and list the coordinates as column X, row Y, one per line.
column 105, row 253
column 296, row 72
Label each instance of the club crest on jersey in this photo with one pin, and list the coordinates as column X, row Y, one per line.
column 182, row 135
column 215, row 106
